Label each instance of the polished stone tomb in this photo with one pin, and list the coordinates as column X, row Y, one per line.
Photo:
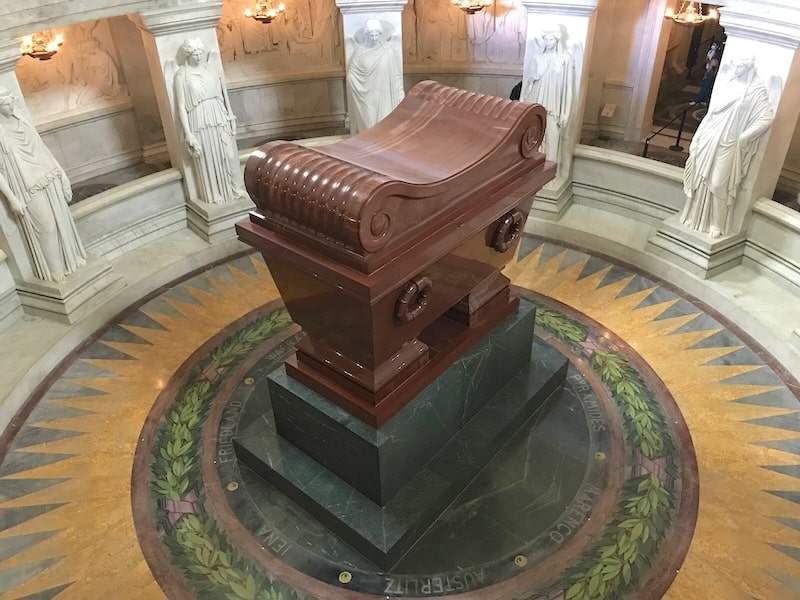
column 387, row 249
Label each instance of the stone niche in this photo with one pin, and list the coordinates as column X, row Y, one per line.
column 81, row 94
column 439, row 33
column 305, row 38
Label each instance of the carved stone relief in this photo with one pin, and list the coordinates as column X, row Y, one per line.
column 83, row 74
column 306, row 36
column 441, row 32
column 445, row 34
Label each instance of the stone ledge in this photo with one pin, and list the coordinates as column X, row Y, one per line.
column 696, row 252
column 32, row 347
column 214, row 222
column 71, row 300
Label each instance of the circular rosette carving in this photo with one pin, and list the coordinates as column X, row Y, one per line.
column 508, row 231
column 413, row 299
column 375, row 228
column 379, row 225
column 532, row 137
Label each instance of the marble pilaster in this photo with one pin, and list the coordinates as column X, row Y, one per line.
column 355, row 14
column 163, row 33
column 574, row 20
column 82, row 291
column 770, row 31
column 135, row 68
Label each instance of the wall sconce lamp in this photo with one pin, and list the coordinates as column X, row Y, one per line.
column 42, row 45
column 471, row 6
column 265, row 12
column 691, row 13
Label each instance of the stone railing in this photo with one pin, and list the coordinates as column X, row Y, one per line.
column 618, row 202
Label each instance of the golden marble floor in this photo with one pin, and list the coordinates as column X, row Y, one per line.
column 66, row 522
column 746, row 538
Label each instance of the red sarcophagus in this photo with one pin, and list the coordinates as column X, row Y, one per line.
column 387, row 247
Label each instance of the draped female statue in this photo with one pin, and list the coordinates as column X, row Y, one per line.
column 208, row 125
column 37, row 192
column 720, row 154
column 374, row 76
column 551, row 79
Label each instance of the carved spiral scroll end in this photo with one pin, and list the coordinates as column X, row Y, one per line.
column 532, row 138
column 508, row 231
column 375, row 236
column 413, row 299
column 380, row 224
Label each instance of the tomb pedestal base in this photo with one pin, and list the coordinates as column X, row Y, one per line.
column 380, row 489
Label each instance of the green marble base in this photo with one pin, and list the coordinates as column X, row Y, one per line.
column 383, row 532
column 378, row 462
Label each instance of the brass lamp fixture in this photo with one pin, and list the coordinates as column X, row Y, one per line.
column 691, row 13
column 42, row 45
column 265, row 12
column 471, row 6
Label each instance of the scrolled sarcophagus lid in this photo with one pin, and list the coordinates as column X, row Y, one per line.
column 442, row 153
column 387, row 247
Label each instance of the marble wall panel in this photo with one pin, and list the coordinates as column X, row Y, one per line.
column 773, row 243
column 10, row 308
column 790, row 176
column 132, row 214
column 288, row 106
column 620, row 94
column 21, row 18
column 640, row 189
column 626, row 42
column 114, row 142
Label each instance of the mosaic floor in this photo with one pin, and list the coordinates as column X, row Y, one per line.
column 668, row 467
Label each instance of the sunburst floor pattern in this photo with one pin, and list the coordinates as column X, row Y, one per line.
column 66, row 519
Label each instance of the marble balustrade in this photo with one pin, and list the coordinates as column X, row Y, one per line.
column 617, row 203
column 632, row 193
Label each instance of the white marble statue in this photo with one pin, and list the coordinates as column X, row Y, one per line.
column 37, row 191
column 551, row 79
column 374, row 75
column 720, row 154
column 208, row 124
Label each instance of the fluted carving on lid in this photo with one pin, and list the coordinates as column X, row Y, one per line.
column 311, row 191
column 427, row 160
